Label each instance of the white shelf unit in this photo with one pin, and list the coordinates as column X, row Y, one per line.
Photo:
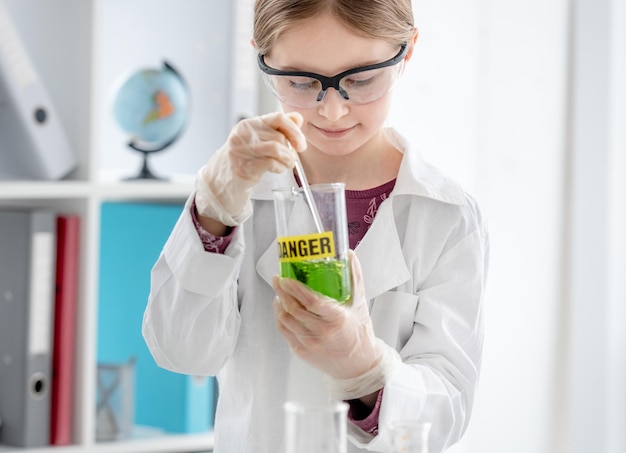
column 65, row 40
column 85, row 198
column 170, row 443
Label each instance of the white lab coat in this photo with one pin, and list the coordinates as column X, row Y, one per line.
column 424, row 264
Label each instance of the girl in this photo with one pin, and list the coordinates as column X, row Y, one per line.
column 408, row 345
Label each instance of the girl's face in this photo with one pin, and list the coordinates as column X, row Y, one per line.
column 324, row 46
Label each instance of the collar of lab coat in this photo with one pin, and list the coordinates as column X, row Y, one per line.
column 381, row 244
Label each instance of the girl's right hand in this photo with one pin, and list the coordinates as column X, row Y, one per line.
column 264, row 143
column 254, row 146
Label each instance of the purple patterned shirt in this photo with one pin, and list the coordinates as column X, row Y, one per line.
column 361, row 208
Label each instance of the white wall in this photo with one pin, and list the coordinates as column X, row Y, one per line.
column 617, row 237
column 486, row 104
column 597, row 361
column 524, row 103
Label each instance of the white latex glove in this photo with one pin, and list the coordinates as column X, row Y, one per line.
column 255, row 145
column 338, row 339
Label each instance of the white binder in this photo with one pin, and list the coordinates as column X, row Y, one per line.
column 33, row 144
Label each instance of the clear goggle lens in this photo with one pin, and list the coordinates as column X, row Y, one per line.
column 358, row 88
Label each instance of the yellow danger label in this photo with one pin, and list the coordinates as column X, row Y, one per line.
column 308, row 247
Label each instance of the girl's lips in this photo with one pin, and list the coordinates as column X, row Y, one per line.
column 335, row 133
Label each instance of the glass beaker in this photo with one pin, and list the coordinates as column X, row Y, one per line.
column 409, row 436
column 312, row 249
column 312, row 427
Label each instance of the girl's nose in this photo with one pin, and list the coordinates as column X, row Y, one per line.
column 333, row 106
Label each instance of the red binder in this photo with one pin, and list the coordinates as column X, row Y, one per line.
column 63, row 356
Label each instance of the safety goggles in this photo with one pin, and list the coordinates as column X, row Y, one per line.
column 360, row 85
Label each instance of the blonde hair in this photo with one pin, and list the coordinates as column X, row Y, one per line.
column 389, row 20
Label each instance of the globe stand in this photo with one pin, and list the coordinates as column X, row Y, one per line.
column 145, row 172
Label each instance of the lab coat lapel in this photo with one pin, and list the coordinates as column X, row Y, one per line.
column 267, row 265
column 380, row 254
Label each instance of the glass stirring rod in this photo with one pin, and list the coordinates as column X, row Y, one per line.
column 308, row 195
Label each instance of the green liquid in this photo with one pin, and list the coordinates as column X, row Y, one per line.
column 330, row 277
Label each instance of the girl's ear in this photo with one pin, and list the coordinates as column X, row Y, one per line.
column 411, row 44
column 253, row 44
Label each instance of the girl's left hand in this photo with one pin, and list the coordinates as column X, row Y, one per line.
column 338, row 339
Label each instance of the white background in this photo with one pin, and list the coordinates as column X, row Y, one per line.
column 523, row 101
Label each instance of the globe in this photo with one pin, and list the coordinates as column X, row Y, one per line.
column 152, row 107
